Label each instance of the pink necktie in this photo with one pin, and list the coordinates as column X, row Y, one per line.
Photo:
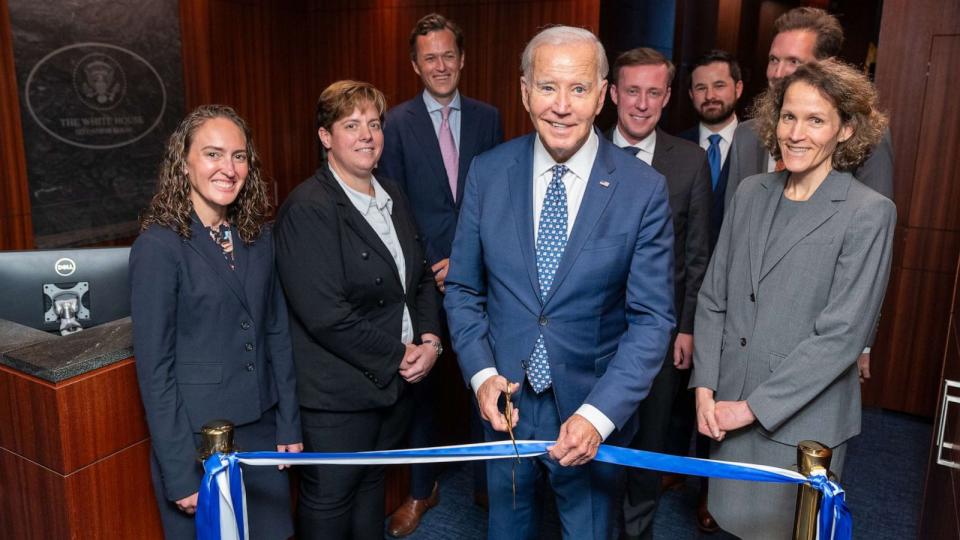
column 448, row 149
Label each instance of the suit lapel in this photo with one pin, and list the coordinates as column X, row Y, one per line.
column 407, row 239
column 355, row 221
column 595, row 199
column 661, row 154
column 426, row 135
column 817, row 210
column 520, row 186
column 201, row 243
column 468, row 143
column 760, row 222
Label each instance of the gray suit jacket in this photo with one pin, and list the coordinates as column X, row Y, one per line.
column 781, row 326
column 748, row 157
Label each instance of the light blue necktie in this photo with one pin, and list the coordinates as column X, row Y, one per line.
column 551, row 241
column 713, row 158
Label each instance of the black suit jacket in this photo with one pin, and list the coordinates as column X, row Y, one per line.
column 411, row 157
column 716, row 210
column 688, row 181
column 210, row 343
column 345, row 295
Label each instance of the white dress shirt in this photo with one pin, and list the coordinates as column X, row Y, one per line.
column 377, row 211
column 726, row 138
column 575, row 182
column 647, row 146
column 436, row 115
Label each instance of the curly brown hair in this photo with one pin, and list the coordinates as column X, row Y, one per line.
column 849, row 90
column 171, row 205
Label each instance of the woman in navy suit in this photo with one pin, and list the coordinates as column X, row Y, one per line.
column 364, row 313
column 210, row 328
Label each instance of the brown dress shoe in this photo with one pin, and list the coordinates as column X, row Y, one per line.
column 705, row 521
column 407, row 518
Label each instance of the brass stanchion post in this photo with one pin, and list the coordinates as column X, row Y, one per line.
column 811, row 456
column 216, row 436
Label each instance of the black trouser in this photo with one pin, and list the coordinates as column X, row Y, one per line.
column 347, row 501
column 643, row 485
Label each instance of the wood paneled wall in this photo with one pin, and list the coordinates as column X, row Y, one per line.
column 271, row 60
column 916, row 76
column 16, row 227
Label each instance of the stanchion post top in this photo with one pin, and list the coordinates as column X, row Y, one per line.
column 216, row 436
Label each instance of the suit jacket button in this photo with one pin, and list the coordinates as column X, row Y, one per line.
column 245, row 325
column 743, row 342
column 364, row 255
column 378, row 281
column 543, row 320
column 248, row 346
column 250, row 366
column 380, row 303
column 753, row 298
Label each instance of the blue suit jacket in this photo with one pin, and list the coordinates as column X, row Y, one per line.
column 719, row 194
column 411, row 157
column 210, row 343
column 608, row 317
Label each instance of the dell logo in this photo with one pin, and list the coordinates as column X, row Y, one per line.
column 65, row 267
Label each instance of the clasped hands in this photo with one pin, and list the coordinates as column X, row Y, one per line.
column 418, row 360
column 716, row 418
column 577, row 441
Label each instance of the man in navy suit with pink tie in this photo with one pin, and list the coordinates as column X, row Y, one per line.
column 429, row 142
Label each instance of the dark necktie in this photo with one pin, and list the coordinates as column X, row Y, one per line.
column 713, row 158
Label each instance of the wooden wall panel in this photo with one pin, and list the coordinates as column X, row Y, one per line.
column 916, row 72
column 271, row 60
column 16, row 226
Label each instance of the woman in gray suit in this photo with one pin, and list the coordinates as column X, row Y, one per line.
column 792, row 294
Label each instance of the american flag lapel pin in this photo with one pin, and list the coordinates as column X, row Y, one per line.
column 604, row 183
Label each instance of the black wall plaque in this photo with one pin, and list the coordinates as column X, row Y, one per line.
column 101, row 88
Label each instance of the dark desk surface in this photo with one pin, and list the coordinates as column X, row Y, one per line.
column 57, row 358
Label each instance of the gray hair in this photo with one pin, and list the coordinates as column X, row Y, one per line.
column 564, row 35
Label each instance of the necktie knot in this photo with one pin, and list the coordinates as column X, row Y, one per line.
column 558, row 171
column 445, row 112
column 714, row 139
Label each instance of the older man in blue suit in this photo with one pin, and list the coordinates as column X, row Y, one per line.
column 429, row 142
column 560, row 290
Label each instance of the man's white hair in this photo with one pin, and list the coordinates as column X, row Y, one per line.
column 563, row 35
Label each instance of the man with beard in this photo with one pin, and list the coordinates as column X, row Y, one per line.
column 715, row 87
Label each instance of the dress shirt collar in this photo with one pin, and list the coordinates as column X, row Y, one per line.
column 726, row 133
column 647, row 145
column 363, row 201
column 580, row 163
column 434, row 106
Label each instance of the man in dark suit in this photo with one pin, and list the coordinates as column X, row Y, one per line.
column 560, row 291
column 641, row 89
column 715, row 87
column 803, row 35
column 429, row 142
column 806, row 34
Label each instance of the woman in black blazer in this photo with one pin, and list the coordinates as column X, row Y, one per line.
column 364, row 312
column 210, row 330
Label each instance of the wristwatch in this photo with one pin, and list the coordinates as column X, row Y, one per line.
column 436, row 345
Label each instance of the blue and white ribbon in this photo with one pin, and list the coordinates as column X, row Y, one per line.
column 222, row 508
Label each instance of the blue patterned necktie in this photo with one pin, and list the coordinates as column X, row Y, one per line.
column 551, row 241
column 713, row 158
